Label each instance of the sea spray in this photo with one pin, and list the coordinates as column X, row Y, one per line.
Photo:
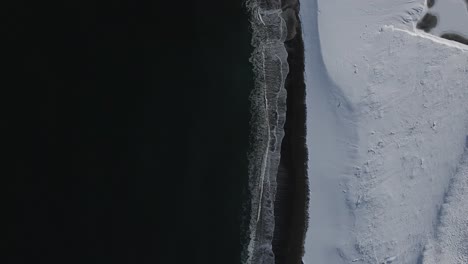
column 268, row 100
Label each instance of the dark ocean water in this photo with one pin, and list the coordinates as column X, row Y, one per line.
column 127, row 131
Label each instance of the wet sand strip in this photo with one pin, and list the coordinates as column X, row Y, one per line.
column 292, row 183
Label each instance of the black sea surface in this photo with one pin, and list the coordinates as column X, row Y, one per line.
column 127, row 131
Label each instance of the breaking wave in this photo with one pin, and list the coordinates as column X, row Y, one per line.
column 268, row 101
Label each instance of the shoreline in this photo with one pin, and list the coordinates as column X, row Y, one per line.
column 291, row 201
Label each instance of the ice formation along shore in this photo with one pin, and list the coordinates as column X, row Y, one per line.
column 387, row 123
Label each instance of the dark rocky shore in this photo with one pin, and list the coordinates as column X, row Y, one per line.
column 292, row 189
column 455, row 37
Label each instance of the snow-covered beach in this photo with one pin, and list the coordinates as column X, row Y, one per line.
column 386, row 128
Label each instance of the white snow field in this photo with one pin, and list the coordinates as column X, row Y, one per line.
column 450, row 244
column 387, row 121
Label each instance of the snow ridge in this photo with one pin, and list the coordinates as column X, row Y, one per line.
column 422, row 34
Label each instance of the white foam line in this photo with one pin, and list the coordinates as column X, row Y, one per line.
column 265, row 156
column 435, row 39
column 260, row 17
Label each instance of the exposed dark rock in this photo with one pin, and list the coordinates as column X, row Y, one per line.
column 428, row 22
column 455, row 37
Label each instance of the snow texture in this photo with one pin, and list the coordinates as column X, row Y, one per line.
column 386, row 128
column 450, row 244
